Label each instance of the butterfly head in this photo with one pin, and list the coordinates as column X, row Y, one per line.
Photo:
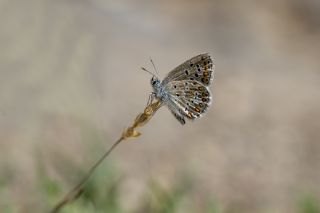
column 155, row 82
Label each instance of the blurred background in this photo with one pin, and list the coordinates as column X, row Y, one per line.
column 70, row 82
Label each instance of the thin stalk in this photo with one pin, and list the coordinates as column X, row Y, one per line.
column 76, row 191
column 130, row 132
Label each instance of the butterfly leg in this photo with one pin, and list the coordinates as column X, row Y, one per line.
column 151, row 98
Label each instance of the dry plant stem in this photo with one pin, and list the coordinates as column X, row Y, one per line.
column 74, row 193
column 130, row 132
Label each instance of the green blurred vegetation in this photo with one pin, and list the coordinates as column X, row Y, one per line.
column 102, row 191
column 102, row 194
column 309, row 204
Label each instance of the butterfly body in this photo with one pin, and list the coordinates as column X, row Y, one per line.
column 185, row 90
column 159, row 90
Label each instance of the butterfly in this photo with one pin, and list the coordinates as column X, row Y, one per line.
column 185, row 90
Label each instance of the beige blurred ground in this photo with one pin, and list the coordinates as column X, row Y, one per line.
column 71, row 65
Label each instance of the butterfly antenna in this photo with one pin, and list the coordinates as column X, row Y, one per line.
column 144, row 69
column 153, row 65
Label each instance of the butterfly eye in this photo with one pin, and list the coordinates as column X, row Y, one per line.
column 154, row 80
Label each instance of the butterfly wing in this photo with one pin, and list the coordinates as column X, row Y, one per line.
column 177, row 114
column 198, row 68
column 188, row 99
